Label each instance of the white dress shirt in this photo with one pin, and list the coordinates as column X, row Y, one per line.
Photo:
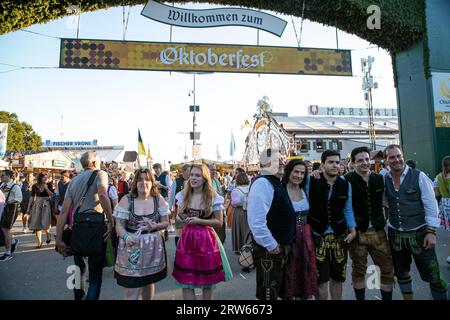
column 259, row 203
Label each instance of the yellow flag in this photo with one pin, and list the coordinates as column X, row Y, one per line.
column 141, row 148
column 246, row 124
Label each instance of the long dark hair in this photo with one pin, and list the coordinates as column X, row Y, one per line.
column 290, row 167
column 40, row 178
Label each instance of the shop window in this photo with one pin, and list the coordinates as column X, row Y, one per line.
column 334, row 145
column 319, row 145
column 304, row 146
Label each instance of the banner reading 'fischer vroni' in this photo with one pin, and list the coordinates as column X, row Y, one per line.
column 201, row 57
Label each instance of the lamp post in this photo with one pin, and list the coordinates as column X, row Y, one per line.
column 367, row 86
column 185, row 158
column 193, row 109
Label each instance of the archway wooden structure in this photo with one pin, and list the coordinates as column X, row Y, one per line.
column 412, row 31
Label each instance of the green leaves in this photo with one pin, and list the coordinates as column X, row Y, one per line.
column 401, row 20
column 21, row 135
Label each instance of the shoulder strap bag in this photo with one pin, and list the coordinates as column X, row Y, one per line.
column 88, row 228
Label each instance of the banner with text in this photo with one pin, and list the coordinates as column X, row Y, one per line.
column 201, row 57
column 441, row 99
column 3, row 138
column 207, row 18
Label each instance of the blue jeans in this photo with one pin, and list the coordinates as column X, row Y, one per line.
column 95, row 266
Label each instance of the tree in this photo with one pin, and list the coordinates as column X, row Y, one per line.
column 21, row 135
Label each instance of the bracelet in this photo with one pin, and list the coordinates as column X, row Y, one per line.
column 125, row 236
column 430, row 230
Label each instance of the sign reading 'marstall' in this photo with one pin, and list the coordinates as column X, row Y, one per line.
column 214, row 17
column 161, row 56
column 315, row 110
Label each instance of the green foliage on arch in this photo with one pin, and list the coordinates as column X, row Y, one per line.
column 401, row 20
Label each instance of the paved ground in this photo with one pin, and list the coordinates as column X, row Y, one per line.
column 36, row 274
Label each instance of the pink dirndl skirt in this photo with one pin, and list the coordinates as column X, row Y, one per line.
column 197, row 258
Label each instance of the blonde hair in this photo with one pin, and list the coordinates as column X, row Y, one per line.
column 207, row 191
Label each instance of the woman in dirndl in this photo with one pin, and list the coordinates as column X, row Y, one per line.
column 39, row 209
column 141, row 255
column 301, row 271
column 442, row 189
column 239, row 196
column 200, row 259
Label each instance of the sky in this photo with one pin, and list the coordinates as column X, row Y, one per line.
column 110, row 106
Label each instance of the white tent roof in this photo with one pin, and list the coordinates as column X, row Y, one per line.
column 3, row 164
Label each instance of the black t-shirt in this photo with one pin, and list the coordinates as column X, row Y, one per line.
column 36, row 192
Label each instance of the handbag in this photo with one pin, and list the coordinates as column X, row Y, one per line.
column 246, row 253
column 87, row 229
column 66, row 238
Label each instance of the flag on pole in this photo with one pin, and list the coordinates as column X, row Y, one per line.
column 246, row 124
column 141, row 148
column 232, row 144
column 3, row 138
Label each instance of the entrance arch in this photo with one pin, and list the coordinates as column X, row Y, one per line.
column 412, row 31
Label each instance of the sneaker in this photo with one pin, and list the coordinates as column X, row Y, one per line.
column 6, row 257
column 448, row 259
column 14, row 245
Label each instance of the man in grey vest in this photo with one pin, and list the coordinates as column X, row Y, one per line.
column 413, row 219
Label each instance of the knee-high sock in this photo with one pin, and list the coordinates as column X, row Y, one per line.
column 438, row 293
column 405, row 285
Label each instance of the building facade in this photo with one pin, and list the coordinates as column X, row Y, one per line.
column 308, row 136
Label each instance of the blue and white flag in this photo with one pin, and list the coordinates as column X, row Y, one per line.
column 3, row 138
column 232, row 144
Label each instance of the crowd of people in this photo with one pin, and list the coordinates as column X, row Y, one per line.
column 302, row 220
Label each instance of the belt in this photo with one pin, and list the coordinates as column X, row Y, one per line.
column 301, row 216
column 407, row 232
